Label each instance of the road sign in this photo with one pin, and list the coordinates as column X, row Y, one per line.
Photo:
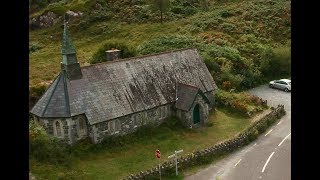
column 176, row 159
column 158, row 154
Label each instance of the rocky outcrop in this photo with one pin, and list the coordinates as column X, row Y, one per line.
column 49, row 19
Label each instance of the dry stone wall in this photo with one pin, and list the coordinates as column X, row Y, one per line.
column 205, row 156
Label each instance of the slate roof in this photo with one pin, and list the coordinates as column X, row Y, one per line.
column 112, row 89
column 55, row 101
column 186, row 95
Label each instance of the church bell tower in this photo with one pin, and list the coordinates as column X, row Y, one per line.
column 69, row 65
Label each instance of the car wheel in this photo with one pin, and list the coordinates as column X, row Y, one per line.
column 271, row 86
column 286, row 89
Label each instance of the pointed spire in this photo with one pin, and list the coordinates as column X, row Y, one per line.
column 69, row 62
column 67, row 45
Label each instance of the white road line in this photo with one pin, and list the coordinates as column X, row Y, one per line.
column 267, row 161
column 279, row 122
column 237, row 163
column 268, row 132
column 284, row 139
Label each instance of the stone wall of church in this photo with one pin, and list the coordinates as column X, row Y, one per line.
column 69, row 128
column 211, row 96
column 71, row 133
column 50, row 126
column 187, row 116
column 130, row 123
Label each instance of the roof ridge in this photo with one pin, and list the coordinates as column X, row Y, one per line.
column 195, row 87
column 66, row 94
column 138, row 57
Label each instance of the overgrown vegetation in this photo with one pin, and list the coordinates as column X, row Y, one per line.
column 242, row 103
column 166, row 43
column 44, row 148
column 100, row 55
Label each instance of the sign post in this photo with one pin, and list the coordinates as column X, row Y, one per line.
column 158, row 155
column 176, row 159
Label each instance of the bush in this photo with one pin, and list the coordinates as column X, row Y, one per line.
column 239, row 102
column 166, row 43
column 253, row 134
column 280, row 63
column 35, row 92
column 44, row 148
column 100, row 55
column 33, row 47
column 226, row 85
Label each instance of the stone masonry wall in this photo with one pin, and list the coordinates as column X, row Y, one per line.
column 205, row 155
column 130, row 123
column 187, row 116
column 211, row 97
column 48, row 124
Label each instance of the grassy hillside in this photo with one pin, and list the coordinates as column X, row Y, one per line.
column 242, row 42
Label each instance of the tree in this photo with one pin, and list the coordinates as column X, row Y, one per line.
column 162, row 6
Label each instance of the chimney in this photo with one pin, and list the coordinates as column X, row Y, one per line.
column 113, row 54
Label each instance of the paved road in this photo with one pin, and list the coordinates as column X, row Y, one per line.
column 267, row 158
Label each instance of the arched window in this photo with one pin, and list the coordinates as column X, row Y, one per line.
column 82, row 125
column 118, row 125
column 58, row 129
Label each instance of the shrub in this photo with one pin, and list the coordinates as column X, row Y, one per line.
column 239, row 102
column 239, row 106
column 183, row 10
column 33, row 47
column 100, row 55
column 44, row 148
column 35, row 92
column 253, row 134
column 166, row 43
column 280, row 63
column 226, row 85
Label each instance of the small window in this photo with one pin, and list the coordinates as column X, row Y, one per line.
column 111, row 126
column 118, row 125
column 58, row 129
column 82, row 126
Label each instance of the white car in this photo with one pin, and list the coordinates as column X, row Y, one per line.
column 283, row 84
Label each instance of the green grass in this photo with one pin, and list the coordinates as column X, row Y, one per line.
column 118, row 162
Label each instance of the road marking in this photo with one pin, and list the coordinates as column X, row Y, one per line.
column 279, row 122
column 237, row 163
column 267, row 161
column 284, row 139
column 268, row 132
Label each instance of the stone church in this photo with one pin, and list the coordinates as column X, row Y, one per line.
column 118, row 96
